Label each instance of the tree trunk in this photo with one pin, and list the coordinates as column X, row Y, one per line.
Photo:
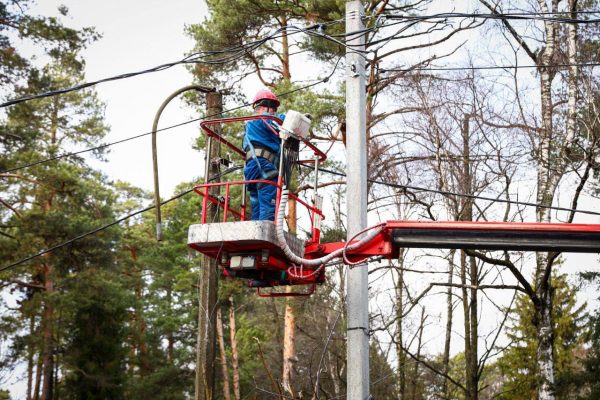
column 474, row 367
column 170, row 338
column 285, row 49
column 467, row 325
column 30, row 358
column 234, row 351
column 289, row 328
column 140, row 348
column 547, row 181
column 470, row 296
column 400, row 353
column 223, row 358
column 545, row 353
column 47, row 335
column 38, row 378
column 449, row 312
column 415, row 377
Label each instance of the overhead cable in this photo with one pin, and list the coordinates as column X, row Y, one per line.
column 498, row 16
column 470, row 196
column 102, row 146
column 94, row 231
column 202, row 57
column 490, row 67
column 234, row 168
column 115, row 222
column 313, row 30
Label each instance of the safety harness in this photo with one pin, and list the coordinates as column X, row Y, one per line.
column 260, row 151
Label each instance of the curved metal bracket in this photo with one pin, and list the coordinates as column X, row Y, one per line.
column 157, row 203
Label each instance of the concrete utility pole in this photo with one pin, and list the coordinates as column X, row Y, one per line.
column 207, row 310
column 356, row 194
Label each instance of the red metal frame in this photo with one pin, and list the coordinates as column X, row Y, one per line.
column 205, row 125
column 276, row 260
column 557, row 237
column 496, row 226
column 203, row 190
column 393, row 235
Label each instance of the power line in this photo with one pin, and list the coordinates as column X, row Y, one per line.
column 234, row 168
column 241, row 50
column 115, row 222
column 102, row 146
column 488, row 67
column 394, row 185
column 498, row 16
column 92, row 232
column 237, row 52
column 470, row 196
column 61, row 156
column 85, row 85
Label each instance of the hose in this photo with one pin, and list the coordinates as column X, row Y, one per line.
column 375, row 230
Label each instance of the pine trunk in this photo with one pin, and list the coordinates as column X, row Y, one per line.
column 47, row 335
column 140, row 348
column 285, row 49
column 30, row 358
column 289, row 328
column 234, row 351
column 170, row 337
column 223, row 358
column 38, row 379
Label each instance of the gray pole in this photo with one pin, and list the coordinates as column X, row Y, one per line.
column 356, row 199
column 207, row 312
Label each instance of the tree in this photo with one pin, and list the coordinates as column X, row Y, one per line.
column 47, row 32
column 552, row 150
column 95, row 350
column 49, row 204
column 518, row 363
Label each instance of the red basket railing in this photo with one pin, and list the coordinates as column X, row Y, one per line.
column 240, row 214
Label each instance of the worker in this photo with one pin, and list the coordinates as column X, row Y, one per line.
column 263, row 147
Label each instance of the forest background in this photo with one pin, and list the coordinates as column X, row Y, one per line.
column 114, row 315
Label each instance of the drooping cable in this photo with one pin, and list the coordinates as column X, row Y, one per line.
column 202, row 57
column 71, row 154
column 490, row 67
column 291, row 155
column 92, row 232
column 113, row 223
column 469, row 196
column 548, row 17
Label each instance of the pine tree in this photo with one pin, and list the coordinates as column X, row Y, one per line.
column 518, row 363
column 51, row 203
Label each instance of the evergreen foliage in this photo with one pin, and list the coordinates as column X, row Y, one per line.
column 517, row 364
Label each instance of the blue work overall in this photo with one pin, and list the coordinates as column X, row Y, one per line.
column 260, row 136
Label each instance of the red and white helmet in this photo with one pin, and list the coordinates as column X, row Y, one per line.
column 267, row 97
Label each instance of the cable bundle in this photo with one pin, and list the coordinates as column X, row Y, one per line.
column 291, row 155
